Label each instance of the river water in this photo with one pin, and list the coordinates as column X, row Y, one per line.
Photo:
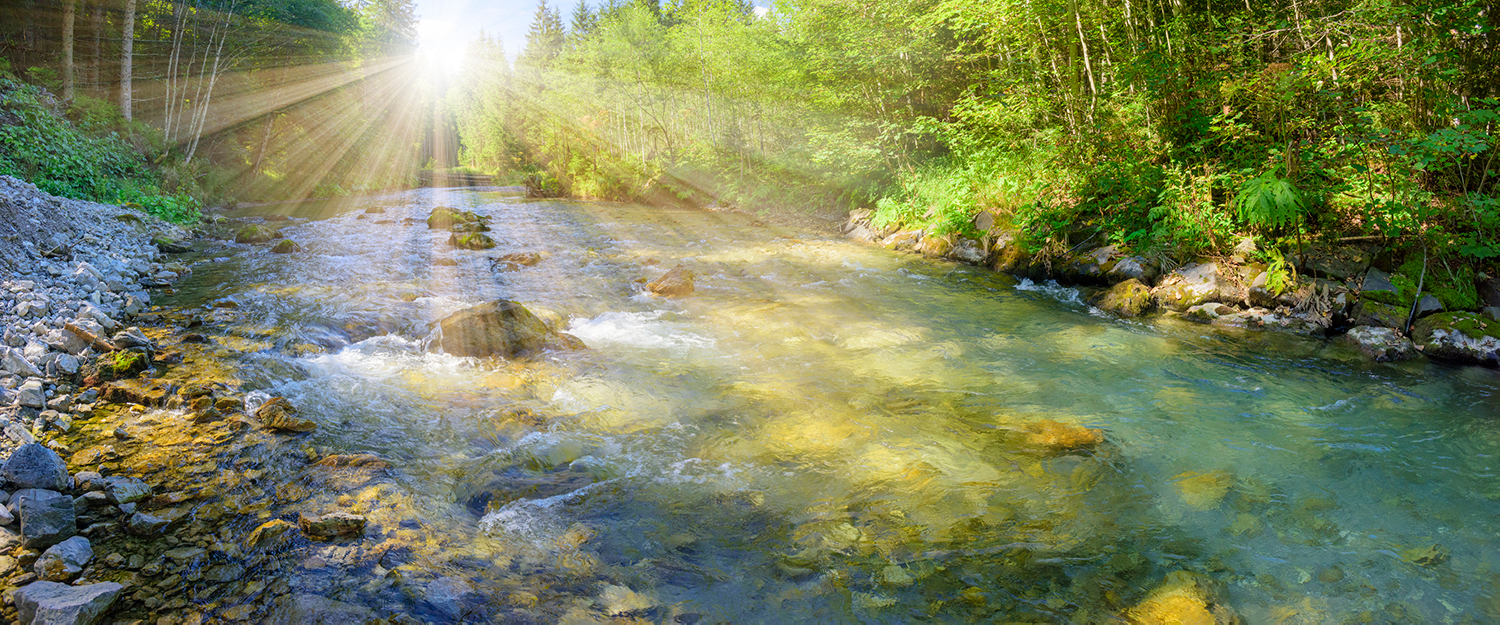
column 822, row 432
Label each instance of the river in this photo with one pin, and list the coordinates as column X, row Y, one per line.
column 822, row 432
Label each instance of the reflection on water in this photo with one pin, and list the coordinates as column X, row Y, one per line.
column 822, row 432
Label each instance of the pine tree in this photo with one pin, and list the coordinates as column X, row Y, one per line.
column 544, row 41
column 584, row 21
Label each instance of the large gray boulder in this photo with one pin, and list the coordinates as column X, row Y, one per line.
column 306, row 609
column 35, row 466
column 65, row 560
column 51, row 603
column 14, row 361
column 47, row 517
column 1459, row 336
column 1188, row 287
column 120, row 489
column 499, row 328
column 1382, row 344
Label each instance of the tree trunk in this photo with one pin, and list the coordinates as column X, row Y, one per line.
column 127, row 43
column 67, row 44
column 96, row 24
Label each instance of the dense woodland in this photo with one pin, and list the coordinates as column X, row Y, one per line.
column 1170, row 127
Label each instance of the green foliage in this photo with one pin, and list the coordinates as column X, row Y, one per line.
column 66, row 159
column 1269, row 201
column 1280, row 274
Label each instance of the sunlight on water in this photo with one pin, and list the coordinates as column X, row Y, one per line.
column 829, row 432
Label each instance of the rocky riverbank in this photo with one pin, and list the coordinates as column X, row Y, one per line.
column 1337, row 291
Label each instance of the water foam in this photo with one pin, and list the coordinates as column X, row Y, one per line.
column 636, row 329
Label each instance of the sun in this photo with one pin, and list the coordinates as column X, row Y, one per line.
column 439, row 45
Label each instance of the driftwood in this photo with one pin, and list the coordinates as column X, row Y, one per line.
column 93, row 339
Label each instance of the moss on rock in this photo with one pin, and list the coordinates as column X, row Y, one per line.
column 1130, row 298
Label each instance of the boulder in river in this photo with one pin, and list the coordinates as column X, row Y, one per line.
column 1130, row 298
column 285, row 246
column 332, row 525
column 1459, row 336
column 306, row 609
column 1189, row 286
column 499, row 328
column 51, row 602
column 271, row 535
column 444, row 217
column 1382, row 344
column 471, row 241
column 256, row 234
column 280, row 415
column 35, row 466
column 1368, row 312
column 678, row 281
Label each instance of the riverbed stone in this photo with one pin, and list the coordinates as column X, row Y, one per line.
column 499, row 328
column 450, row 595
column 309, row 609
column 278, row 414
column 1129, row 298
column 332, row 525
column 142, row 524
column 115, row 365
column 52, row 603
column 31, row 394
column 286, row 246
column 36, row 466
column 966, row 250
column 1054, row 436
column 1460, row 337
column 271, row 535
column 1007, row 255
column 15, row 361
column 65, row 560
column 1091, row 267
column 120, row 489
column 47, row 517
column 678, row 281
column 1189, row 286
column 1204, row 490
column 1136, row 268
column 1184, row 597
column 934, row 246
column 1427, row 305
column 444, row 218
column 1382, row 344
column 902, row 240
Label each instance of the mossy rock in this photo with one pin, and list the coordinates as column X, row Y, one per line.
column 1130, row 298
column 286, row 246
column 1461, row 337
column 471, row 241
column 445, row 217
column 119, row 365
column 1370, row 311
column 256, row 234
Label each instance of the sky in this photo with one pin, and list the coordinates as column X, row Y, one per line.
column 446, row 26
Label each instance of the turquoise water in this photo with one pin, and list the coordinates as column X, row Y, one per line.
column 830, row 432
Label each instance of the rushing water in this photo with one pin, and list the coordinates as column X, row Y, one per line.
column 826, row 432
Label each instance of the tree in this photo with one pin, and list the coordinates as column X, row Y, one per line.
column 544, row 40
column 67, row 45
column 127, row 45
column 584, row 21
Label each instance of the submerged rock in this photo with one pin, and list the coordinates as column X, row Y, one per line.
column 271, row 535
column 36, row 466
column 1382, row 344
column 1052, row 436
column 142, row 524
column 332, row 525
column 1462, row 337
column 1205, row 490
column 306, row 609
column 499, row 328
column 678, row 281
column 1183, row 598
column 51, row 602
column 278, row 414
column 121, row 489
column 1130, row 298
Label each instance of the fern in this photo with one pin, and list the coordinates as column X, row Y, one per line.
column 1269, row 200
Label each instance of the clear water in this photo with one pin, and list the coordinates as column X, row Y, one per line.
column 827, row 432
